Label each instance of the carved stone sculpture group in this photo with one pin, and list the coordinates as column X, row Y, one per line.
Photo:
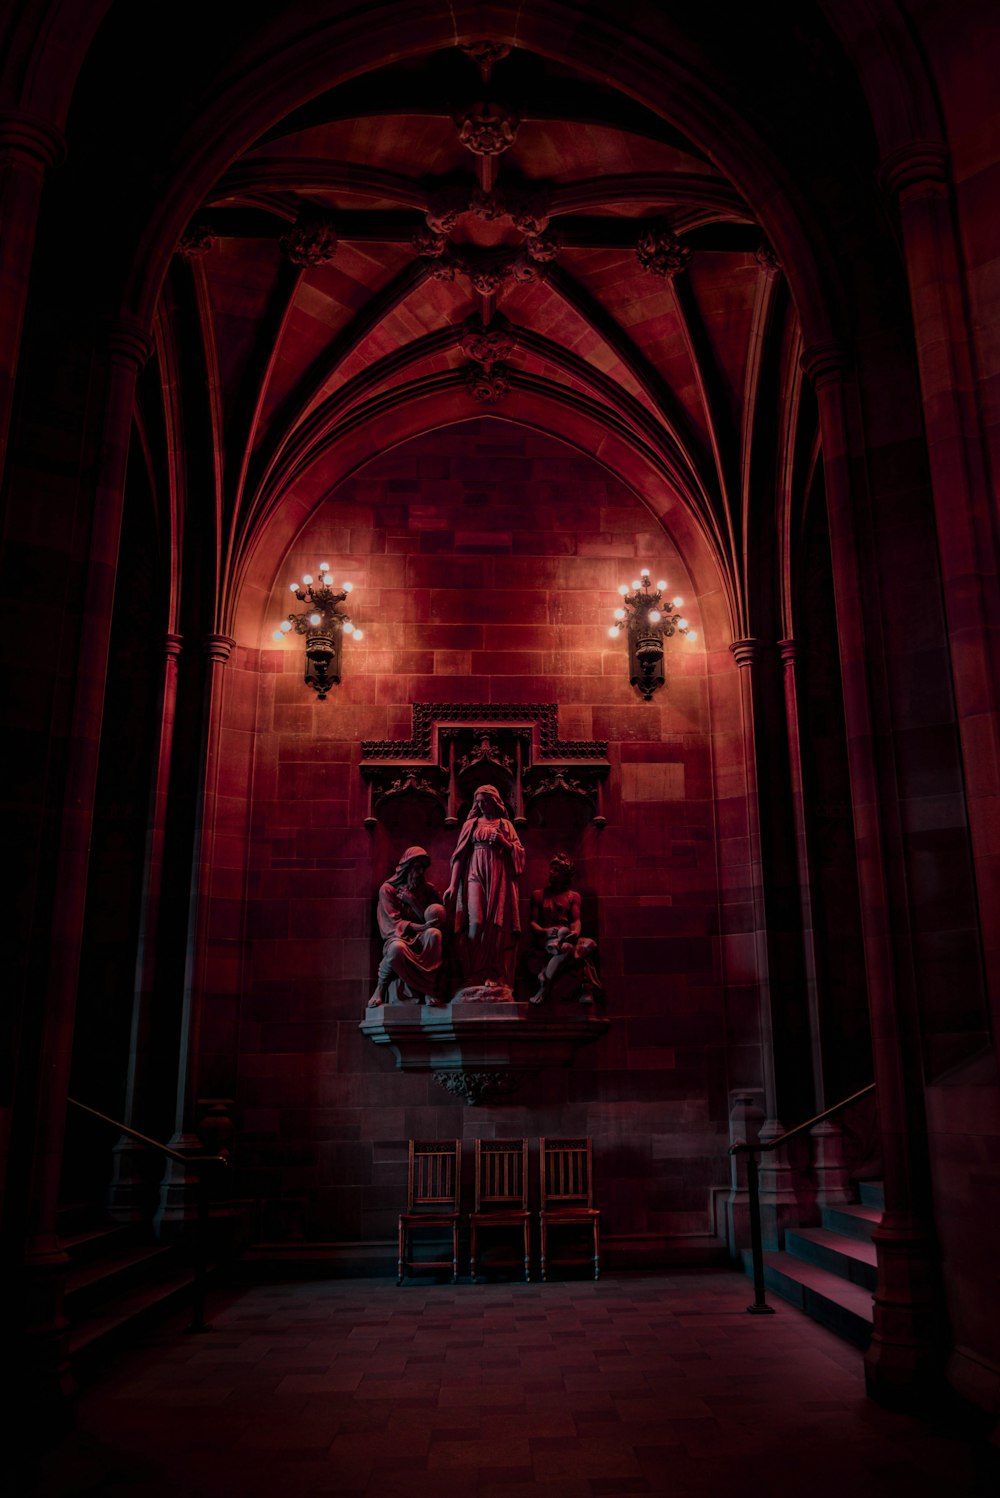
column 465, row 946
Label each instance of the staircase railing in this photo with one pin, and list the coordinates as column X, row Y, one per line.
column 197, row 1165
column 752, row 1149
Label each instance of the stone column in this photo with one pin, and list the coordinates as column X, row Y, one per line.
column 128, row 347
column 28, row 148
column 917, row 175
column 778, row 1198
column 827, row 1147
column 904, row 1352
column 177, row 1192
column 127, row 1197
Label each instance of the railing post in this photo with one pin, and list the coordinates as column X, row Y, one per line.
column 760, row 1306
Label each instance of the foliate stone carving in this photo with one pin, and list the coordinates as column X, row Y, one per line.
column 528, row 211
column 311, row 241
column 196, row 241
column 473, row 1086
column 660, row 251
column 487, row 129
column 488, row 206
column 542, row 247
column 767, row 259
column 487, row 384
column 445, row 205
column 486, row 55
column 487, row 345
column 487, row 273
column 430, row 245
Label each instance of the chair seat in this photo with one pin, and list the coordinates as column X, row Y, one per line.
column 569, row 1214
column 428, row 1219
column 501, row 1215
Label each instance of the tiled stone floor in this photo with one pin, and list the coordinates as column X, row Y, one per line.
column 638, row 1384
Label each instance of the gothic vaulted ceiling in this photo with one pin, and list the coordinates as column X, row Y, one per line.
column 467, row 227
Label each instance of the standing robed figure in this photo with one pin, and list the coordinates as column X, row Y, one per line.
column 482, row 898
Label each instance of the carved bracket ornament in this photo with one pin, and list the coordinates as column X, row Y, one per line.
column 457, row 747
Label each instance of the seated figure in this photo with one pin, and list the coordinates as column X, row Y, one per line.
column 563, row 961
column 411, row 921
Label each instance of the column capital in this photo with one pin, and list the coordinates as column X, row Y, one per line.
column 128, row 342
column 921, row 166
column 790, row 651
column 173, row 644
column 823, row 363
column 746, row 652
column 31, row 138
column 218, row 647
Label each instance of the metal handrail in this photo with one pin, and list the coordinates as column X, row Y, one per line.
column 198, row 1322
column 801, row 1128
column 155, row 1144
column 754, row 1148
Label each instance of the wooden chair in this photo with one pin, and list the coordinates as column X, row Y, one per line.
column 501, row 1193
column 433, row 1188
column 567, row 1192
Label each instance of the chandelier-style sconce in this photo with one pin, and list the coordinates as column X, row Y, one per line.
column 648, row 619
column 324, row 624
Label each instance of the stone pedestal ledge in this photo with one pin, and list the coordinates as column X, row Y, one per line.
column 481, row 1051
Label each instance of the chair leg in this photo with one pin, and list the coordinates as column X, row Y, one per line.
column 597, row 1250
column 401, row 1255
column 454, row 1253
column 527, row 1254
column 472, row 1250
column 545, row 1234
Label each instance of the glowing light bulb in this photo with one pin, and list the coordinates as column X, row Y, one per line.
column 619, row 613
column 655, row 616
column 358, row 634
column 307, row 578
column 314, row 619
column 348, row 627
column 294, row 587
column 277, row 636
column 692, row 634
column 636, row 585
column 661, row 585
column 613, row 631
column 623, row 589
column 678, row 603
column 645, row 572
column 347, row 587
column 682, row 624
column 285, row 626
column 324, row 566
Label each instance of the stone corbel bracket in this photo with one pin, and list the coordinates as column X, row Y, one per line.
column 482, row 1052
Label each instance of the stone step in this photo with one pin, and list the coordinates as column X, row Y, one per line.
column 100, row 1241
column 847, row 1257
column 835, row 1303
column 102, row 1280
column 853, row 1221
column 872, row 1194
column 128, row 1317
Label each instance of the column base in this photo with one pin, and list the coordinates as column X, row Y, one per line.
column 904, row 1366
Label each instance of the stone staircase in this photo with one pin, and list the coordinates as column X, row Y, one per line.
column 829, row 1271
column 121, row 1282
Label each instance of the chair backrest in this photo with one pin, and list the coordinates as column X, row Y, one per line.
column 434, row 1177
column 566, row 1173
column 501, row 1173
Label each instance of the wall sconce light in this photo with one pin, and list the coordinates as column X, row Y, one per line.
column 648, row 618
column 324, row 625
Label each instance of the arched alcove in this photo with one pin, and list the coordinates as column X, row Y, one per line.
column 485, row 557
